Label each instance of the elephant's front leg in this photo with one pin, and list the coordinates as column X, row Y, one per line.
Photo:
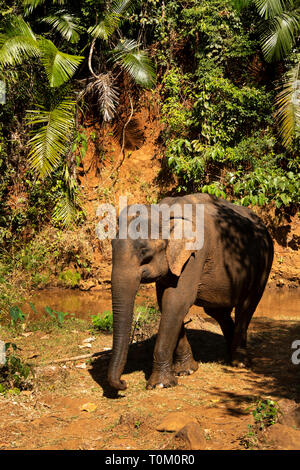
column 173, row 310
column 184, row 363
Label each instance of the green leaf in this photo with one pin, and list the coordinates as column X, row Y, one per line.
column 288, row 105
column 65, row 211
column 32, row 4
column 111, row 20
column 66, row 24
column 17, row 42
column 60, row 67
column 135, row 62
column 16, row 314
column 270, row 8
column 50, row 312
column 49, row 141
column 280, row 34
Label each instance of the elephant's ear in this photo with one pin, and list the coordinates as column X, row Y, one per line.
column 177, row 252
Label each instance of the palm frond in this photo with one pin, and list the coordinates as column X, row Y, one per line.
column 105, row 28
column 17, row 42
column 14, row 50
column 280, row 35
column 270, row 8
column 32, row 4
column 17, row 26
column 50, row 139
column 66, row 24
column 288, row 105
column 111, row 20
column 60, row 67
column 102, row 91
column 135, row 62
column 266, row 8
column 65, row 211
column 240, row 4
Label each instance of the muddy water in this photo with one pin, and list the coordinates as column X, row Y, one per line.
column 278, row 304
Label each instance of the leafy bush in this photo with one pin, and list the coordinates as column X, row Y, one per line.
column 16, row 315
column 58, row 317
column 15, row 374
column 70, row 278
column 266, row 413
column 145, row 315
column 103, row 321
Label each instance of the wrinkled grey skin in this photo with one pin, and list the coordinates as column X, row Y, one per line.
column 230, row 271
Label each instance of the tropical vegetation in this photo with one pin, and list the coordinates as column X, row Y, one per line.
column 226, row 77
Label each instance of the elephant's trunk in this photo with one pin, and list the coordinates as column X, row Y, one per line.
column 124, row 289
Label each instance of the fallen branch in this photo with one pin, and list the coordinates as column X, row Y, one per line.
column 77, row 358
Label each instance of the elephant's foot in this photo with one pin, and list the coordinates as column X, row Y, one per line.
column 240, row 359
column 161, row 379
column 185, row 366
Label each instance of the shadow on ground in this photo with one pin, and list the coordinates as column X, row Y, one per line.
column 272, row 371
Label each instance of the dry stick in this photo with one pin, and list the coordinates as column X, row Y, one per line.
column 90, row 58
column 134, row 328
column 76, row 358
column 86, row 356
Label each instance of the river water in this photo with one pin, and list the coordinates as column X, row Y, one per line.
column 280, row 303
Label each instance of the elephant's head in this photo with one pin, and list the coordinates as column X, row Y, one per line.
column 135, row 261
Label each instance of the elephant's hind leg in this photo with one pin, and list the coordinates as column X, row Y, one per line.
column 222, row 315
column 184, row 363
column 243, row 315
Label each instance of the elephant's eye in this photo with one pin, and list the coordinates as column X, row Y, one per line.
column 146, row 255
column 146, row 258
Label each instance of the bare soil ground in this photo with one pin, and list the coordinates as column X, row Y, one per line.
column 72, row 407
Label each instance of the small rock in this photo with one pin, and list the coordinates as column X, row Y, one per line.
column 89, row 340
column 283, row 437
column 192, row 436
column 47, row 371
column 286, row 405
column 87, row 285
column 89, row 407
column 175, row 421
column 291, row 419
column 81, row 366
column 87, row 345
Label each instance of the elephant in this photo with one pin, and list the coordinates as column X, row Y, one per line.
column 228, row 271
